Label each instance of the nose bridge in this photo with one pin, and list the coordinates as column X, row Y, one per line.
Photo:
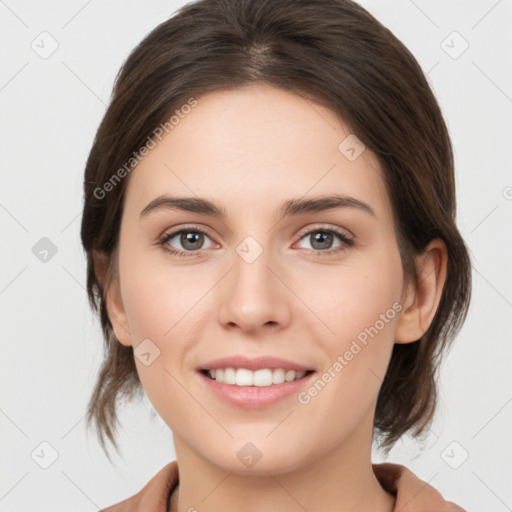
column 252, row 279
column 251, row 296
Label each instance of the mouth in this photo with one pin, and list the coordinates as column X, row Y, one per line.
column 244, row 377
column 259, row 389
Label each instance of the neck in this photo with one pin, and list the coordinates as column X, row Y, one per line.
column 341, row 480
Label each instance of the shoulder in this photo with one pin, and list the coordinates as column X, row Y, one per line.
column 153, row 496
column 412, row 493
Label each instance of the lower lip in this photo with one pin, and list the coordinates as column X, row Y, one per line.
column 255, row 397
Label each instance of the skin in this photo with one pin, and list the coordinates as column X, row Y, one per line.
column 249, row 150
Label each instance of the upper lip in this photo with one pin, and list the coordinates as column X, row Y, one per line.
column 257, row 363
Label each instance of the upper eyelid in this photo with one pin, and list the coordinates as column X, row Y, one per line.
column 187, row 227
column 320, row 227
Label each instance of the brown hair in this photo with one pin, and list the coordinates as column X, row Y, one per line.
column 330, row 51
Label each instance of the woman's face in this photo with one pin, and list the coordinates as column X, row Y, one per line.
column 257, row 283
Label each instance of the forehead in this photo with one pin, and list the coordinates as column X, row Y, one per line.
column 256, row 146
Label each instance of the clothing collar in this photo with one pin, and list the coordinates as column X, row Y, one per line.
column 412, row 494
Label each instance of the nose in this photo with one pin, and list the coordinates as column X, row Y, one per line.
column 253, row 295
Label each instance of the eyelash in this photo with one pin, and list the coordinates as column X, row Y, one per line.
column 346, row 241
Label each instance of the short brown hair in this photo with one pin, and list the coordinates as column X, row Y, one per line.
column 330, row 51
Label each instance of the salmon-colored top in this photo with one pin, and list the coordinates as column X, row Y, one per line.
column 412, row 494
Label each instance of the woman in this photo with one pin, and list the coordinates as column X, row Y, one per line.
column 269, row 224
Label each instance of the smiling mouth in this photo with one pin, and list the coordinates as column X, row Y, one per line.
column 260, row 378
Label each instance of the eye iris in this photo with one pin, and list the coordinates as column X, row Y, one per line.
column 191, row 237
column 324, row 238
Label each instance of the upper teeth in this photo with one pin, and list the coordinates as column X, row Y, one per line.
column 245, row 377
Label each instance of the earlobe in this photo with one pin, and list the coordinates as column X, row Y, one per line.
column 112, row 298
column 117, row 314
column 422, row 299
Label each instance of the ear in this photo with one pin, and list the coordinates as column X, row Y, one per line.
column 112, row 297
column 421, row 299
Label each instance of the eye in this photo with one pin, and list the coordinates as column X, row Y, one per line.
column 191, row 241
column 321, row 240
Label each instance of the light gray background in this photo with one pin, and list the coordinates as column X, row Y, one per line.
column 51, row 344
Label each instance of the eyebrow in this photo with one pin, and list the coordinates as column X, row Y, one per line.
column 289, row 208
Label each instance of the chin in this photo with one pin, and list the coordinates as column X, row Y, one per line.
column 259, row 458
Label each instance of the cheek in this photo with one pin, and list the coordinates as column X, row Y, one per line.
column 159, row 303
column 358, row 310
column 164, row 304
column 160, row 299
column 346, row 300
column 357, row 307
